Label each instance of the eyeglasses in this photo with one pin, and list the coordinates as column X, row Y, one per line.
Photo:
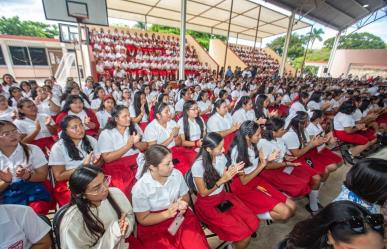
column 102, row 187
column 357, row 223
column 194, row 109
column 9, row 133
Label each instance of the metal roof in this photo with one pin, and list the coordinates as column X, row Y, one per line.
column 210, row 16
column 336, row 14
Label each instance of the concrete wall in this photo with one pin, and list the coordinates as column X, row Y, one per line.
column 203, row 55
column 217, row 51
column 344, row 58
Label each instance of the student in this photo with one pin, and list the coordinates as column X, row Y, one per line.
column 104, row 111
column 160, row 197
column 25, row 87
column 98, row 96
column 35, row 128
column 261, row 104
column 74, row 149
column 74, row 106
column 243, row 110
column 46, row 102
column 204, row 104
column 23, row 171
column 15, row 95
column 139, row 110
column 97, row 216
column 120, row 143
column 191, row 131
column 163, row 98
column 185, row 95
column 22, row 228
column 316, row 103
column 339, row 225
column 299, row 104
column 221, row 122
column 221, row 211
column 6, row 112
column 257, row 194
column 365, row 184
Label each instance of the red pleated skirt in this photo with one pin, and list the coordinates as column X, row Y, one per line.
column 382, row 119
column 228, row 141
column 44, row 143
column 318, row 166
column 61, row 193
column 123, row 172
column 359, row 138
column 326, row 156
column 235, row 224
column 190, row 235
column 258, row 194
column 283, row 110
column 186, row 157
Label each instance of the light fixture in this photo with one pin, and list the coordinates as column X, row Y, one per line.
column 365, row 5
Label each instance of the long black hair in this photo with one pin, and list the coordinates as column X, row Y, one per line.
column 154, row 155
column 347, row 107
column 301, row 97
column 137, row 103
column 259, row 106
column 368, row 179
column 201, row 94
column 78, row 183
column 272, row 125
column 112, row 123
column 26, row 149
column 69, row 100
column 210, row 141
column 68, row 143
column 67, row 93
column 217, row 105
column 20, row 104
column 312, row 233
column 316, row 97
column 248, row 128
column 296, row 123
column 242, row 101
column 187, row 105
column 96, row 90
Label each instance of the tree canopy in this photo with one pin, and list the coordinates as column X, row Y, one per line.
column 296, row 46
column 14, row 26
column 363, row 40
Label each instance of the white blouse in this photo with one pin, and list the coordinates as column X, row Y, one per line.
column 156, row 132
column 112, row 140
column 194, row 129
column 218, row 123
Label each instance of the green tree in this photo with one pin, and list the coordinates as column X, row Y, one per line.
column 296, row 45
column 14, row 26
column 363, row 40
column 140, row 25
column 315, row 35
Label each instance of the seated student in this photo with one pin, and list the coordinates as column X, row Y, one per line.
column 160, row 199
column 46, row 102
column 299, row 145
column 35, row 128
column 97, row 216
column 316, row 103
column 298, row 105
column 15, row 95
column 191, row 130
column 243, row 110
column 346, row 130
column 139, row 110
column 23, row 171
column 72, row 150
column 163, row 98
column 221, row 211
column 221, row 122
column 22, row 228
column 204, row 104
column 366, row 184
column 74, row 90
column 120, row 143
column 98, row 96
column 257, row 194
column 339, row 225
column 25, row 87
column 104, row 113
column 74, row 106
column 261, row 104
column 185, row 95
column 126, row 98
column 6, row 112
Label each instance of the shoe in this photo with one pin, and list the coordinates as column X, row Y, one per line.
column 313, row 213
column 347, row 155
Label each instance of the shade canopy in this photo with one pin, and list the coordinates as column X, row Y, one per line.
column 210, row 16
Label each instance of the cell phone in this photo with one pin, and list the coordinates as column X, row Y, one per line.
column 288, row 170
column 224, row 206
column 175, row 225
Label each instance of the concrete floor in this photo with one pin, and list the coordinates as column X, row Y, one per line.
column 268, row 236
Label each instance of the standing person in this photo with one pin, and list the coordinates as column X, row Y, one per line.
column 257, row 194
column 339, row 225
column 74, row 149
column 23, row 171
column 224, row 213
column 160, row 198
column 120, row 143
column 97, row 217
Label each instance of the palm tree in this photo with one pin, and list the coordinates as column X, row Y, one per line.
column 140, row 25
column 315, row 34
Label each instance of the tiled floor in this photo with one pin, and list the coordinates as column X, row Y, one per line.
column 269, row 236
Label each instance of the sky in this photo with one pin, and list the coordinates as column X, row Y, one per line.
column 33, row 10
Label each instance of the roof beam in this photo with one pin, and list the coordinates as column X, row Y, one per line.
column 210, row 8
column 341, row 11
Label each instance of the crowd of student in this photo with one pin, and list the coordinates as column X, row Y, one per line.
column 122, row 55
column 127, row 154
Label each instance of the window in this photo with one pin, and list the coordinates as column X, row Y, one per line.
column 2, row 60
column 38, row 56
column 19, row 55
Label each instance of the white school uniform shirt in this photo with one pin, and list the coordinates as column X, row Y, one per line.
column 268, row 147
column 313, row 105
column 295, row 107
column 218, row 123
column 291, row 139
column 44, row 106
column 204, row 105
column 112, row 140
column 286, row 100
column 334, row 104
column 95, row 103
column 150, row 195
column 154, row 131
column 314, row 130
column 194, row 129
column 132, row 114
column 357, row 115
column 82, row 115
column 252, row 158
column 26, row 125
column 21, row 227
column 342, row 120
column 103, row 117
column 60, row 156
column 179, row 105
column 219, row 165
column 36, row 159
column 6, row 114
column 241, row 116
